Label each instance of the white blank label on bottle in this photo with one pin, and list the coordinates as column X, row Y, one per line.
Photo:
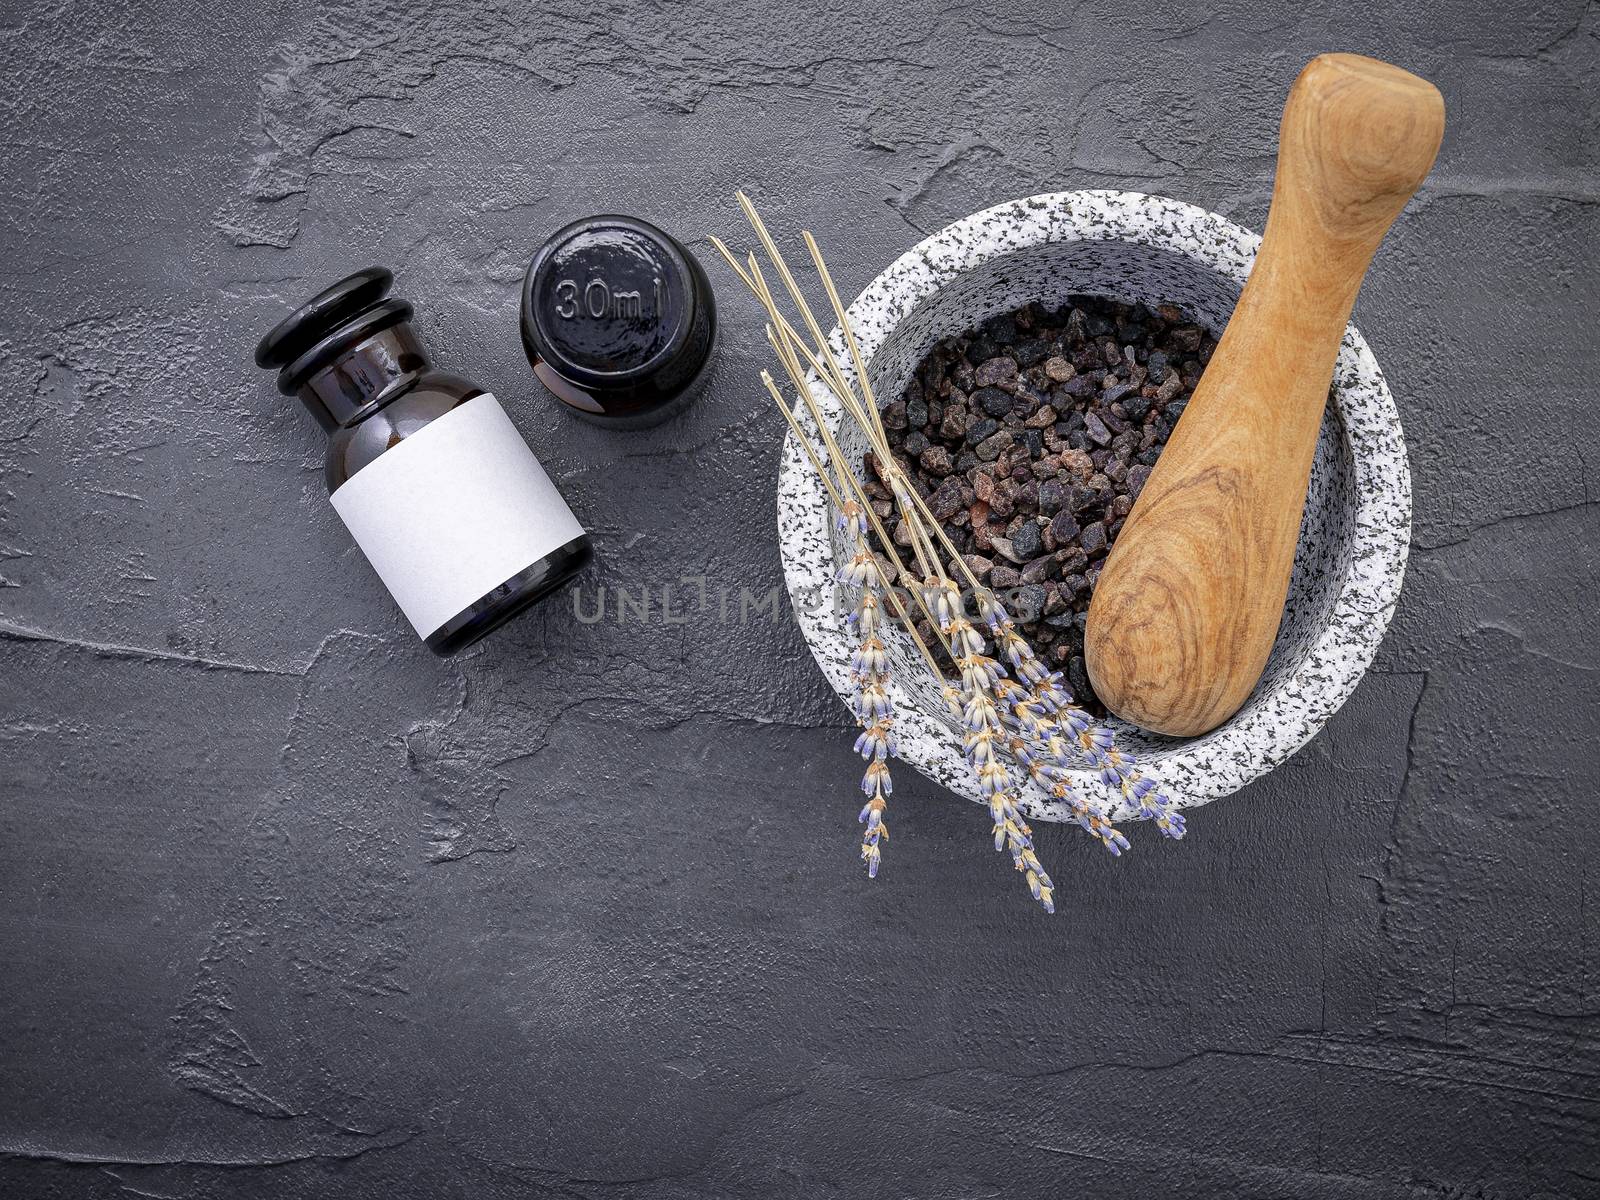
column 453, row 511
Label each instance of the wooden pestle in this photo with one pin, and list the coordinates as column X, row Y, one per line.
column 1187, row 607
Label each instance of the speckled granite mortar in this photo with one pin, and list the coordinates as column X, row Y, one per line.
column 1353, row 539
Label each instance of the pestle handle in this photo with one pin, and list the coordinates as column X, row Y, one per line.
column 1187, row 607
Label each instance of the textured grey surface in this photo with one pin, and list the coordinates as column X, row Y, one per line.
column 289, row 908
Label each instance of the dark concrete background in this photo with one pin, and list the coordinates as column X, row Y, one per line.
column 290, row 908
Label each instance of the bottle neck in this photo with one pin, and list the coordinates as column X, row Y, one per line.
column 365, row 377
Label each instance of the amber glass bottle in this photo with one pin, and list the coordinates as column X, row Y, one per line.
column 428, row 473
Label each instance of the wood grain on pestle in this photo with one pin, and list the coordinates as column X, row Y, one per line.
column 1185, row 612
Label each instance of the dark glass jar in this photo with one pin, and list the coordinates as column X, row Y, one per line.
column 618, row 321
column 437, row 486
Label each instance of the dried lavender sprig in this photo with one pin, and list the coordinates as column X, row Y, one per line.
column 875, row 711
column 1096, row 743
column 1048, row 689
column 906, row 497
column 965, row 646
column 955, row 626
column 1032, row 708
column 1037, row 743
column 1114, row 767
column 1035, row 711
column 1118, row 771
column 870, row 664
column 792, row 351
column 784, row 347
column 870, row 699
column 974, row 707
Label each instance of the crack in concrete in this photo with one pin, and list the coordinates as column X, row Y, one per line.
column 68, row 1158
column 1402, row 795
column 1421, row 547
column 13, row 632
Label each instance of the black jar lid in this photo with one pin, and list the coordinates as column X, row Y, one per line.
column 617, row 318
